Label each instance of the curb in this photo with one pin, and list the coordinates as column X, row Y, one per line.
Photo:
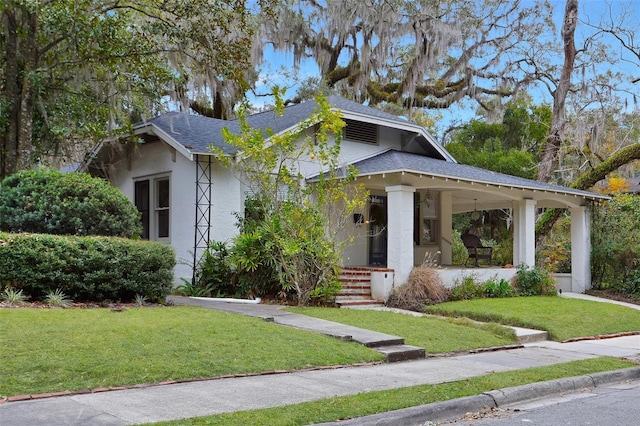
column 455, row 408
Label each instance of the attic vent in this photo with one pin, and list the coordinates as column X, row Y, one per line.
column 361, row 132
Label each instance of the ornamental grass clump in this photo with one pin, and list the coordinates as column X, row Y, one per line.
column 424, row 287
column 57, row 299
column 140, row 300
column 13, row 297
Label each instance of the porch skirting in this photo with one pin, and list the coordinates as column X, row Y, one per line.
column 382, row 280
column 451, row 276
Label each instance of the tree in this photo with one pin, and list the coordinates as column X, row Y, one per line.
column 616, row 244
column 418, row 54
column 301, row 223
column 506, row 147
column 591, row 122
column 77, row 71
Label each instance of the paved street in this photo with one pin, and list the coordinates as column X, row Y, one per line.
column 613, row 404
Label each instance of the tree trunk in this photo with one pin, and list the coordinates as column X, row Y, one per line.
column 558, row 121
column 9, row 144
column 25, row 132
column 22, row 57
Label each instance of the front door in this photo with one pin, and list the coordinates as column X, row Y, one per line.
column 377, row 230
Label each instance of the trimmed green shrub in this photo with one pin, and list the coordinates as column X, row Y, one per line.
column 469, row 289
column 502, row 288
column 534, row 282
column 86, row 268
column 49, row 202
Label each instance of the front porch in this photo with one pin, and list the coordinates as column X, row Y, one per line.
column 413, row 201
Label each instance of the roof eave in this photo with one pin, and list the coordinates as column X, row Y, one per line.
column 167, row 138
column 556, row 190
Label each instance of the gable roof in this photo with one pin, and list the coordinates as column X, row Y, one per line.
column 193, row 134
column 394, row 161
column 294, row 114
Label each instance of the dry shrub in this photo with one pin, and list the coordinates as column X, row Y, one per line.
column 424, row 287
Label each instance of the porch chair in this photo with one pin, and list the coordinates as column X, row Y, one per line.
column 475, row 249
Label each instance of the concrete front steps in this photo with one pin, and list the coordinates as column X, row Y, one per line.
column 392, row 347
column 356, row 288
column 526, row 335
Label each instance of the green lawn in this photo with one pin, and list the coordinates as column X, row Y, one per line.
column 332, row 409
column 563, row 318
column 46, row 350
column 436, row 335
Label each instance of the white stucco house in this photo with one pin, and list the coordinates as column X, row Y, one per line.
column 188, row 198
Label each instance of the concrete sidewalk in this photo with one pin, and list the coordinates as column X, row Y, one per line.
column 182, row 400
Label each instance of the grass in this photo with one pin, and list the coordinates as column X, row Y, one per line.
column 332, row 409
column 563, row 318
column 47, row 350
column 436, row 335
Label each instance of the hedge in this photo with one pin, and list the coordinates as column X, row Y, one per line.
column 86, row 268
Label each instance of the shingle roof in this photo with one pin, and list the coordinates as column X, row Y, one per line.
column 294, row 114
column 196, row 133
column 397, row 161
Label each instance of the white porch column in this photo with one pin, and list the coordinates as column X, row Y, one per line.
column 524, row 233
column 400, row 231
column 445, row 218
column 580, row 250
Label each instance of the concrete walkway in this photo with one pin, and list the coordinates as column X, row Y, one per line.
column 599, row 299
column 182, row 400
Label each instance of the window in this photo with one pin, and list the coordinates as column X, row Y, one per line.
column 162, row 207
column 425, row 214
column 156, row 219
